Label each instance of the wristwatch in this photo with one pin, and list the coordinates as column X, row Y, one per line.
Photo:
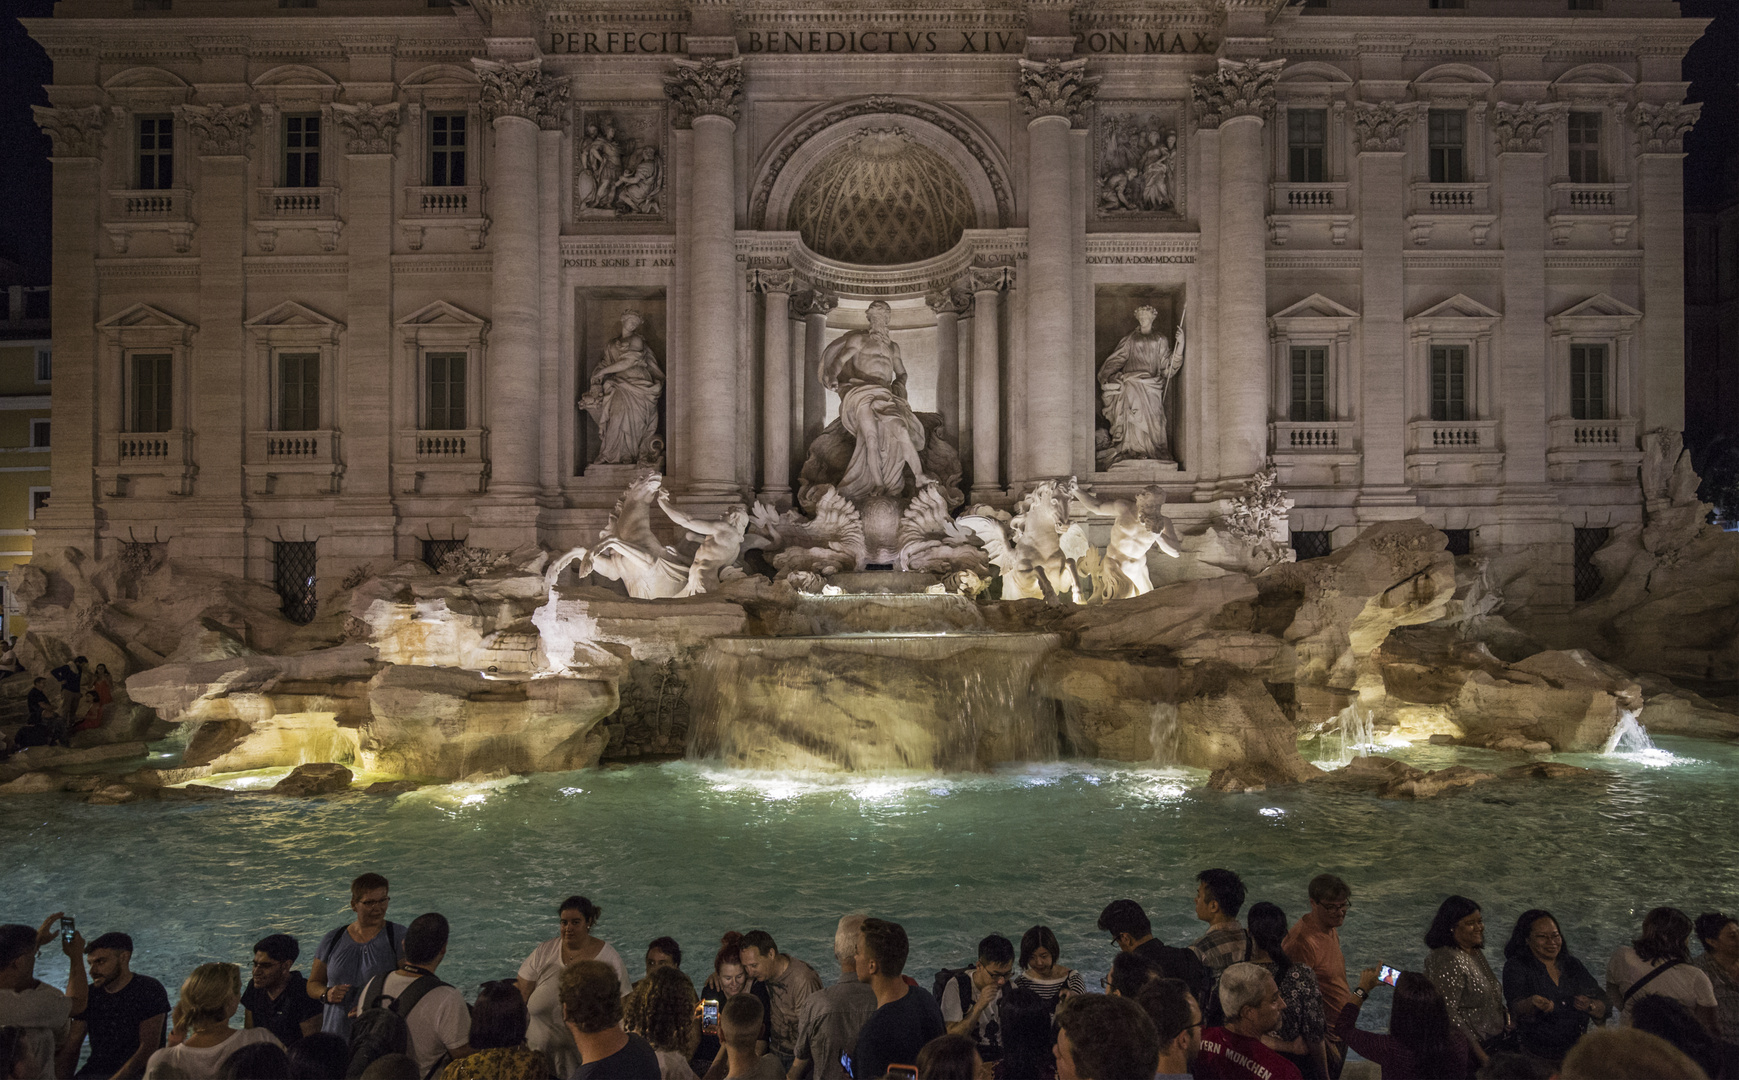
column 1360, row 992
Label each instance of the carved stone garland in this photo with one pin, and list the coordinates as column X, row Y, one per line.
column 369, row 128
column 1056, row 88
column 1236, row 89
column 218, row 130
column 76, row 133
column 1522, row 129
column 705, row 88
column 1382, row 127
column 1661, row 128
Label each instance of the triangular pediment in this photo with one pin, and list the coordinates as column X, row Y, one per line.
column 1316, row 306
column 143, row 317
column 1601, row 305
column 1459, row 306
column 291, row 315
column 440, row 313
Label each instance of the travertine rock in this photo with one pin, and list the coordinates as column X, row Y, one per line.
column 321, row 778
column 1230, row 718
column 32, row 783
column 1108, row 701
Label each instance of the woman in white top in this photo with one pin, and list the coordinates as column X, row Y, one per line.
column 1658, row 962
column 1041, row 973
column 540, row 979
column 202, row 1036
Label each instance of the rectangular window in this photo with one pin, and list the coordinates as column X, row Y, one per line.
column 1585, row 148
column 38, row 501
column 435, row 552
column 302, row 151
column 151, row 5
column 1446, row 5
column 1312, row 545
column 1588, row 382
column 1306, row 145
column 1448, row 139
column 39, row 434
column 447, row 149
column 1460, row 541
column 153, row 395
column 298, row 391
column 446, row 391
column 44, row 365
column 1449, row 382
column 295, row 3
column 1587, row 5
column 294, row 563
column 1309, row 385
column 156, row 150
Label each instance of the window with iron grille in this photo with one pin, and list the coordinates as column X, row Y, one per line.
column 153, row 397
column 446, row 391
column 435, row 552
column 302, row 150
column 1448, row 145
column 447, row 150
column 1306, row 145
column 298, row 391
column 156, row 152
column 1309, row 384
column 1584, row 130
column 1449, row 382
column 1460, row 541
column 1588, row 382
column 1312, row 545
column 294, row 564
column 1587, row 576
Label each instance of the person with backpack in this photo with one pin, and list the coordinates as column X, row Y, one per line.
column 410, row 1010
column 348, row 957
column 968, row 996
column 1658, row 962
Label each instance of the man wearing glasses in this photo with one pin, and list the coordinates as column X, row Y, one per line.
column 1315, row 940
column 277, row 998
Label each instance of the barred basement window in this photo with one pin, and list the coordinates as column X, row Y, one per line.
column 1460, row 541
column 294, row 563
column 435, row 552
column 1306, row 144
column 1446, row 5
column 1587, row 5
column 1312, row 545
column 1587, row 575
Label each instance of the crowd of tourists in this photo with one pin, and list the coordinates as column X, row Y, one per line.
column 73, row 697
column 1257, row 997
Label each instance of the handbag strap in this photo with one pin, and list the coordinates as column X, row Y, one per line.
column 1646, row 979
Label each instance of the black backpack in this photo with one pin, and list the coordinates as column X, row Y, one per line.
column 962, row 976
column 380, row 1029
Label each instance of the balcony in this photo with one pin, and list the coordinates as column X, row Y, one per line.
column 428, row 208
column 1453, row 452
column 282, row 209
column 1593, row 451
column 127, row 456
column 1306, row 205
column 166, row 210
column 442, row 462
column 293, row 462
column 1315, row 454
column 1440, row 208
column 1591, row 207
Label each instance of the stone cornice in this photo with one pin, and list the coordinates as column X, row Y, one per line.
column 1236, row 89
column 1056, row 88
column 705, row 88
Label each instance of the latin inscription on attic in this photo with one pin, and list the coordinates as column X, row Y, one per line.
column 803, row 40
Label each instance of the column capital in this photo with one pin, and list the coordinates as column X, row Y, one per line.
column 979, row 279
column 76, row 133
column 705, row 88
column 1661, row 128
column 814, row 302
column 218, row 130
column 369, row 129
column 1236, row 88
column 951, row 301
column 521, row 89
column 1056, row 88
column 1522, row 128
column 772, row 279
column 1381, row 127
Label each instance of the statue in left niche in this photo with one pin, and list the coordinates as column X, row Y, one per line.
column 615, row 173
column 623, row 398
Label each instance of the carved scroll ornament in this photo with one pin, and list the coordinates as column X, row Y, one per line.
column 705, row 88
column 76, row 133
column 369, row 128
column 772, row 279
column 218, row 130
column 552, row 98
column 512, row 89
column 1661, row 128
column 1056, row 88
column 1522, row 129
column 1382, row 127
column 1236, row 89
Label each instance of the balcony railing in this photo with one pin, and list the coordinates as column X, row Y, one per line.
column 1452, row 436
column 1323, row 198
column 457, row 447
column 292, row 447
column 456, row 202
column 147, row 448
column 299, row 202
column 1591, row 198
column 1451, row 198
column 1594, row 436
column 1326, row 436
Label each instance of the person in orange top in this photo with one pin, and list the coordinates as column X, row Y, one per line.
column 1315, row 940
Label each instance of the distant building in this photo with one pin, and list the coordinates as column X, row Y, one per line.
column 26, row 367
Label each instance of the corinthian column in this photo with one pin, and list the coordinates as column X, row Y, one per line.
column 1237, row 99
column 706, row 95
column 70, row 519
column 774, row 284
column 514, row 97
column 985, row 283
column 1055, row 94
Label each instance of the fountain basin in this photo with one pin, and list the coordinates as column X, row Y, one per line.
column 874, row 702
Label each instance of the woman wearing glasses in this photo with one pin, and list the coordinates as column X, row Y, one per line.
column 1551, row 995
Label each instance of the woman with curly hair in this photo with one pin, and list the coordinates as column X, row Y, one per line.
column 661, row 1009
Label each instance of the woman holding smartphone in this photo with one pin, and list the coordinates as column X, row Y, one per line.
column 1421, row 1042
column 729, row 977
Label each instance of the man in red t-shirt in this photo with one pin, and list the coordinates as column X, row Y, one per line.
column 1251, row 1000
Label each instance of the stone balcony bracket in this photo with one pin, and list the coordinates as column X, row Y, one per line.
column 458, row 208
column 166, row 210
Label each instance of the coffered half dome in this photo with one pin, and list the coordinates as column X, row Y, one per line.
column 880, row 198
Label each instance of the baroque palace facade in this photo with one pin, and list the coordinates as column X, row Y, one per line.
column 352, row 280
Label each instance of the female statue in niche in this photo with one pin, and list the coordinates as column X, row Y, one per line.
column 623, row 398
column 1133, row 382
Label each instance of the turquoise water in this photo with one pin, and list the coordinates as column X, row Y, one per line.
column 692, row 851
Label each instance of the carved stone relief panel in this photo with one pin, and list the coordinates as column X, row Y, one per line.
column 620, row 156
column 1138, row 161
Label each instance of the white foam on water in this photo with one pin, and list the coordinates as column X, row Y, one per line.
column 1629, row 740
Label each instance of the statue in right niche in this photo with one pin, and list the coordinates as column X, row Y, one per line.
column 1135, row 385
column 623, row 398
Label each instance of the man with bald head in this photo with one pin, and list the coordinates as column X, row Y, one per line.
column 830, row 1020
